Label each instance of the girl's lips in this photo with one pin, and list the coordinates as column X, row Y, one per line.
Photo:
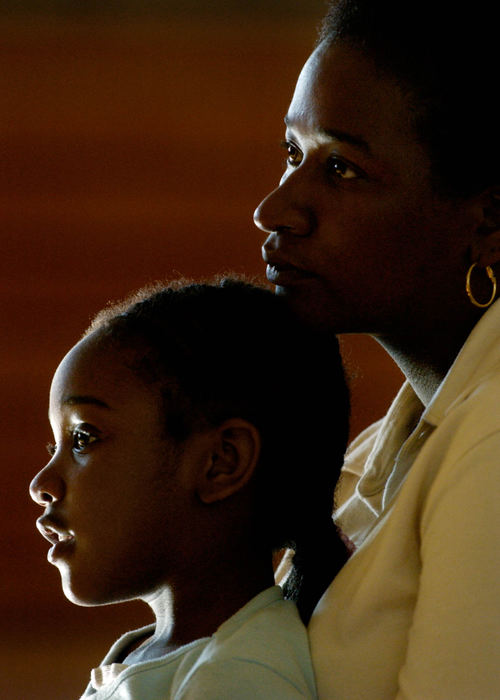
column 60, row 550
column 62, row 540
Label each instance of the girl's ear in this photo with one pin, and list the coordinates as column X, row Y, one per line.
column 232, row 462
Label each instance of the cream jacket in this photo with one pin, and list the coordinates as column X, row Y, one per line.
column 415, row 613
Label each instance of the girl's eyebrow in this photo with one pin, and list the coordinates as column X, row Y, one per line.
column 344, row 136
column 79, row 400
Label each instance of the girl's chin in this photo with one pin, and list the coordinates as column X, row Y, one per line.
column 91, row 597
column 82, row 595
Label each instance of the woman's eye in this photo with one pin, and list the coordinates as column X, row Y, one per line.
column 341, row 169
column 294, row 156
column 82, row 439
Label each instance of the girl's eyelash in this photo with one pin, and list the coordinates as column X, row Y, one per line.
column 82, row 437
column 51, row 448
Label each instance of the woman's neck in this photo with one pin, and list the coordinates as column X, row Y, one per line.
column 425, row 358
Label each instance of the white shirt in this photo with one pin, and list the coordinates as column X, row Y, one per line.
column 260, row 652
column 415, row 613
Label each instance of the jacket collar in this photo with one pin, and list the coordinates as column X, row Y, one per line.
column 406, row 425
column 479, row 357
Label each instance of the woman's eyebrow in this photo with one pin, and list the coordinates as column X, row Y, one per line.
column 79, row 400
column 356, row 141
column 338, row 135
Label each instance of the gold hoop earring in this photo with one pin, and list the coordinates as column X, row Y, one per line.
column 493, row 281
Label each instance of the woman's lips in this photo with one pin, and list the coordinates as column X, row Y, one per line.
column 284, row 274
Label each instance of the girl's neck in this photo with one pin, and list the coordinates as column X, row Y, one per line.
column 196, row 608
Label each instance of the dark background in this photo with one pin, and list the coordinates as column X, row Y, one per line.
column 136, row 140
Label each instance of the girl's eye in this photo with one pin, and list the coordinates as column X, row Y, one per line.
column 82, row 439
column 341, row 169
column 294, row 157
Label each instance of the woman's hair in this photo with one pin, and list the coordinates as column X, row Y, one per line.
column 444, row 54
column 229, row 348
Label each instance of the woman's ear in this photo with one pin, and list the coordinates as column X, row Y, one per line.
column 486, row 245
column 232, row 462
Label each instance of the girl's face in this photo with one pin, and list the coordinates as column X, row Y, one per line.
column 116, row 492
column 357, row 234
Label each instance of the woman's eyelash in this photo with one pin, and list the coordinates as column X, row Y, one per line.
column 339, row 167
column 336, row 166
column 294, row 155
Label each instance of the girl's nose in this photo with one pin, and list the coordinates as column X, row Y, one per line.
column 47, row 486
column 282, row 211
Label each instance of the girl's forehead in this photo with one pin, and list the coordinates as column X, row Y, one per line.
column 99, row 368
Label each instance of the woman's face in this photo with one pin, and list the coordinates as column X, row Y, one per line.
column 117, row 494
column 358, row 238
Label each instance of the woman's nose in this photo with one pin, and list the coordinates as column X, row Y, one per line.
column 283, row 211
column 47, row 486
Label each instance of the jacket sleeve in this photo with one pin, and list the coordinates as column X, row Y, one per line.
column 454, row 640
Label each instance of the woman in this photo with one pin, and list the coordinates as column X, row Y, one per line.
column 173, row 421
column 387, row 222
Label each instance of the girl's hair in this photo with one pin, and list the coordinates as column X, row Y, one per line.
column 228, row 348
column 444, row 54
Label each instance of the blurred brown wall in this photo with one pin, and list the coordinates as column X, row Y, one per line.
column 131, row 151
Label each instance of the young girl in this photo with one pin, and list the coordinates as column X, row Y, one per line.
column 193, row 437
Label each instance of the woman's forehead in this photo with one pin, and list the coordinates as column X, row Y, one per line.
column 341, row 98
column 340, row 84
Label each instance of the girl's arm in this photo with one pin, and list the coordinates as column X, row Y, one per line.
column 244, row 680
